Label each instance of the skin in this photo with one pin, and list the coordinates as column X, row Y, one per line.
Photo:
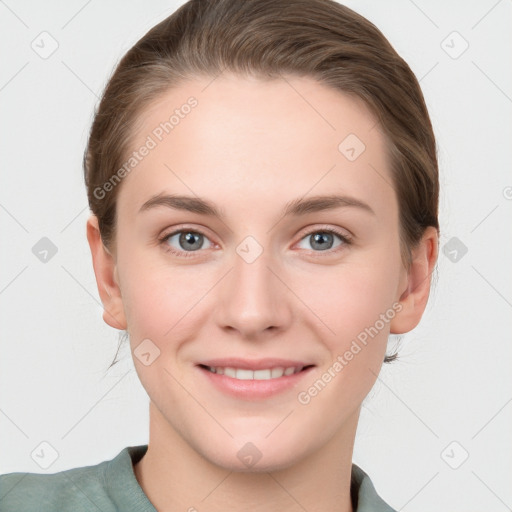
column 251, row 146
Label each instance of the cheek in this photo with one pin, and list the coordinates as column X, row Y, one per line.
column 160, row 305
column 358, row 310
column 159, row 299
column 352, row 298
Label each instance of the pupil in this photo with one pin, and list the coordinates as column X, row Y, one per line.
column 190, row 239
column 320, row 238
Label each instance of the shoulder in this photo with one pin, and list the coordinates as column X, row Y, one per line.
column 363, row 493
column 77, row 490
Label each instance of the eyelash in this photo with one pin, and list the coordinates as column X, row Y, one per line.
column 346, row 240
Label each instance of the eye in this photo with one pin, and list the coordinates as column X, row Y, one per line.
column 186, row 242
column 322, row 240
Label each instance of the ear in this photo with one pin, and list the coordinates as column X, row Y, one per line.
column 415, row 283
column 105, row 270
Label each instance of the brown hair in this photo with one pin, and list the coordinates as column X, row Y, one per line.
column 321, row 39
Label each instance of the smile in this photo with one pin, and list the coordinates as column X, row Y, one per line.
column 254, row 379
column 245, row 374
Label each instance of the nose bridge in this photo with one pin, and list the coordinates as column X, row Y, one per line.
column 251, row 275
column 252, row 296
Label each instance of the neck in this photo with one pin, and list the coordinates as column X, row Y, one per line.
column 175, row 477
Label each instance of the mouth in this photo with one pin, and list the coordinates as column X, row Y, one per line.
column 262, row 374
column 253, row 380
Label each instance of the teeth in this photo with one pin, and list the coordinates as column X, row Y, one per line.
column 243, row 374
column 277, row 372
column 229, row 372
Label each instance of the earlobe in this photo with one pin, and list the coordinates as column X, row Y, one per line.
column 413, row 295
column 105, row 270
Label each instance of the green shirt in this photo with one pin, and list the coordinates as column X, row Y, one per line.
column 111, row 486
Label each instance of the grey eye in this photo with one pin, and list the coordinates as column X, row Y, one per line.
column 321, row 240
column 188, row 240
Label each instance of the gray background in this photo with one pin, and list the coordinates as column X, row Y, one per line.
column 447, row 397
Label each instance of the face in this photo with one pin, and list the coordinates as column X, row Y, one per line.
column 267, row 283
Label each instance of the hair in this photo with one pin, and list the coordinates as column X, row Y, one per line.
column 319, row 39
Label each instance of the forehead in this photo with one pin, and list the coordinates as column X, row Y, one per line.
column 236, row 137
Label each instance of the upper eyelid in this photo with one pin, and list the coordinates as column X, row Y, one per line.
column 325, row 227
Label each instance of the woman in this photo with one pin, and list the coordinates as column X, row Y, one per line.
column 263, row 183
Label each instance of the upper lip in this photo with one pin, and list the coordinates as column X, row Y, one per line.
column 254, row 364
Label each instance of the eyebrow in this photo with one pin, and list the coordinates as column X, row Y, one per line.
column 295, row 207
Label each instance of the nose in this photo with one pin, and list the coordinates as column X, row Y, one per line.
column 253, row 300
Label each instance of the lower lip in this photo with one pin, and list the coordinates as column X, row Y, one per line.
column 254, row 389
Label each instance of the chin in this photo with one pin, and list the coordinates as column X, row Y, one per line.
column 260, row 456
